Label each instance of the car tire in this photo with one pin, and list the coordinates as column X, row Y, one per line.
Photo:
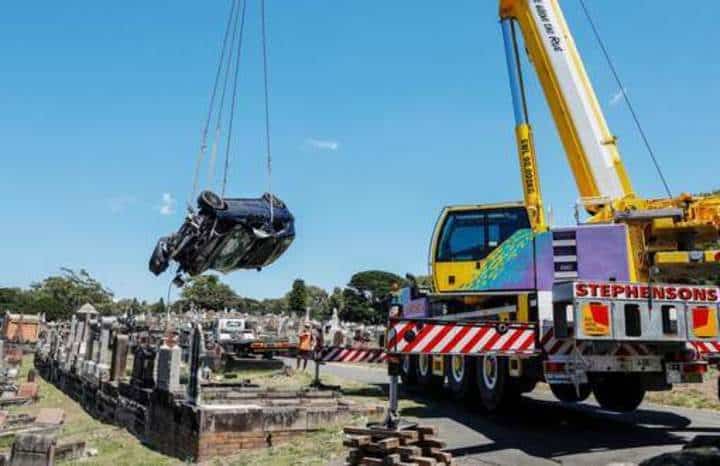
column 460, row 373
column 618, row 392
column 408, row 370
column 425, row 377
column 497, row 391
column 209, row 202
column 566, row 392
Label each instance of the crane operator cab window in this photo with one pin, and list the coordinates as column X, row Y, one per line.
column 466, row 238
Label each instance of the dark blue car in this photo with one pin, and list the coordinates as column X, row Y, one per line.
column 227, row 235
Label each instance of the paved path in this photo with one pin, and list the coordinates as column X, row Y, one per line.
column 542, row 431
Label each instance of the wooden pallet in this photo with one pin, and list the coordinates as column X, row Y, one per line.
column 417, row 446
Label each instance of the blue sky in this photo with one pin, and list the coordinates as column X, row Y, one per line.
column 382, row 113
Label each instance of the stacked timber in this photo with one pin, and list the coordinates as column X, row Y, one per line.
column 416, row 446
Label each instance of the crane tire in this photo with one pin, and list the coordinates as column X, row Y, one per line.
column 426, row 378
column 460, row 373
column 497, row 390
column 408, row 370
column 566, row 392
column 618, row 392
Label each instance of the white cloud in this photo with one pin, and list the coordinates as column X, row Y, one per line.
column 323, row 144
column 168, row 204
column 617, row 97
column 118, row 204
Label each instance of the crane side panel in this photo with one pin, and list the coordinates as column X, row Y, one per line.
column 602, row 253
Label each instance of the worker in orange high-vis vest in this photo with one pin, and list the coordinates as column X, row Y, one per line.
column 305, row 346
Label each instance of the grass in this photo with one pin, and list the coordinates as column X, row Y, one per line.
column 114, row 445
column 312, row 449
column 698, row 396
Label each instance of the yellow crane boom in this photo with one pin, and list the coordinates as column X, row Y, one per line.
column 674, row 237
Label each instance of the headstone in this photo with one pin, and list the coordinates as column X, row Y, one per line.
column 168, row 368
column 118, row 362
column 197, row 349
column 33, row 450
column 104, row 354
column 73, row 330
column 144, row 367
column 89, row 343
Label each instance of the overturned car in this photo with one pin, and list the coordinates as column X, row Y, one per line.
column 227, row 235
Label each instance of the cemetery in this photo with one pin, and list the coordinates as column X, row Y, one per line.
column 157, row 384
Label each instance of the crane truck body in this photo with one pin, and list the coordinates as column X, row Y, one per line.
column 617, row 305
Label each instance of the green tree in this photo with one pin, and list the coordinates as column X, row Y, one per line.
column 13, row 299
column 357, row 308
column 375, row 284
column 298, row 297
column 60, row 295
column 158, row 307
column 336, row 300
column 317, row 301
column 208, row 292
column 365, row 297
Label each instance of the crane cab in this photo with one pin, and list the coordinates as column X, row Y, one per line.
column 482, row 248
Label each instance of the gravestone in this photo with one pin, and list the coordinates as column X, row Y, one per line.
column 168, row 368
column 197, row 350
column 73, row 330
column 104, row 354
column 33, row 450
column 118, row 361
column 144, row 367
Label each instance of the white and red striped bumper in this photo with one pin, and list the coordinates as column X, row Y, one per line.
column 706, row 349
column 448, row 338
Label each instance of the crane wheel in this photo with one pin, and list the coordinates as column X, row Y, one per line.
column 426, row 379
column 618, row 392
column 566, row 392
column 497, row 390
column 408, row 370
column 460, row 373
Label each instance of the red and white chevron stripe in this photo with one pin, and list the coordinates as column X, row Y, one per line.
column 341, row 354
column 706, row 347
column 565, row 346
column 415, row 337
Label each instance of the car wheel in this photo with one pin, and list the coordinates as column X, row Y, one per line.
column 618, row 392
column 566, row 392
column 460, row 372
column 497, row 392
column 209, row 202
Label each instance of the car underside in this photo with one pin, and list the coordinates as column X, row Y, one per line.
column 226, row 235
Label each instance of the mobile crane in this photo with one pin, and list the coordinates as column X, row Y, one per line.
column 616, row 306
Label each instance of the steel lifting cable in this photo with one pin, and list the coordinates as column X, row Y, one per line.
column 203, row 138
column 625, row 97
column 221, row 108
column 267, row 109
column 234, row 99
